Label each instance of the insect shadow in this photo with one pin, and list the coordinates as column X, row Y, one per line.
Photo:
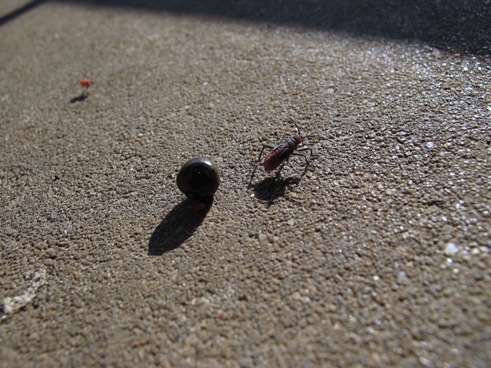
column 269, row 189
column 179, row 224
column 81, row 97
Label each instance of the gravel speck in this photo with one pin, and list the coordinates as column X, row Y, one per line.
column 451, row 249
column 401, row 277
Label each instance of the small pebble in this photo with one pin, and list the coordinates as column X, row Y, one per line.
column 478, row 276
column 451, row 249
column 401, row 277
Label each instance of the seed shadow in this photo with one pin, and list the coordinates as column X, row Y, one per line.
column 269, row 189
column 177, row 226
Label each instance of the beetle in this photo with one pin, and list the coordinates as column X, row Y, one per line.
column 279, row 155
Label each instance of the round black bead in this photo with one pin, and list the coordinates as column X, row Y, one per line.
column 198, row 178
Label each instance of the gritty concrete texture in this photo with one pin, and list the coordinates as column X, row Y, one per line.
column 378, row 257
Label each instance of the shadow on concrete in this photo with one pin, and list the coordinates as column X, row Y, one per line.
column 457, row 25
column 20, row 11
column 268, row 190
column 79, row 98
column 179, row 224
column 461, row 26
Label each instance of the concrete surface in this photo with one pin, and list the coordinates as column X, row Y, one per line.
column 380, row 256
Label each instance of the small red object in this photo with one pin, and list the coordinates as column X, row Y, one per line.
column 86, row 83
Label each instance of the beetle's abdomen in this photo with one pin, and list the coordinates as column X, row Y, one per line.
column 278, row 154
column 273, row 160
column 281, row 152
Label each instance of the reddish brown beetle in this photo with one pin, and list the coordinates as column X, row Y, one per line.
column 279, row 155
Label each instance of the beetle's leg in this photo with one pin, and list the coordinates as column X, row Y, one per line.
column 258, row 161
column 262, row 151
column 278, row 172
column 303, row 149
column 252, row 176
column 307, row 162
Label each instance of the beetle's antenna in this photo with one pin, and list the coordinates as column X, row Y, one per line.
column 295, row 123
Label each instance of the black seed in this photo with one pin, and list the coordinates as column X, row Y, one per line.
column 198, row 178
